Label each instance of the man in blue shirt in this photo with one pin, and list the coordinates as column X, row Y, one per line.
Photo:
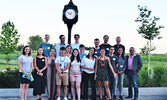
column 97, row 48
column 61, row 44
column 76, row 44
column 82, row 49
column 46, row 46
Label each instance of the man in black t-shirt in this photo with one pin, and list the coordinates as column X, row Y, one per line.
column 118, row 45
column 105, row 45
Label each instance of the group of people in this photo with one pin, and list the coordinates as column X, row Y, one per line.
column 68, row 67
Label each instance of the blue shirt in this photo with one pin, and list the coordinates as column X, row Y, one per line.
column 97, row 52
column 46, row 48
column 75, row 46
column 82, row 55
column 26, row 63
column 58, row 46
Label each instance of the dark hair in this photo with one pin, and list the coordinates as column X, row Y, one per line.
column 42, row 53
column 47, row 35
column 123, row 57
column 96, row 39
column 81, row 46
column 68, row 46
column 60, row 36
column 52, row 49
column 23, row 50
column 62, row 49
column 102, row 49
column 87, row 56
column 78, row 57
column 112, row 47
column 76, row 35
column 105, row 36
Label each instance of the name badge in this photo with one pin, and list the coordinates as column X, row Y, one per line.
column 114, row 59
column 107, row 48
column 121, row 66
column 48, row 47
column 43, row 60
column 95, row 51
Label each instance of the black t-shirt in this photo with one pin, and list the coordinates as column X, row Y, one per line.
column 106, row 47
column 114, row 61
column 116, row 47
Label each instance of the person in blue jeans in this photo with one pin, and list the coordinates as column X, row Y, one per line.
column 120, row 73
column 134, row 64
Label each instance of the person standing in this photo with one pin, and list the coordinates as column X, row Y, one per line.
column 120, row 72
column 62, row 66
column 25, row 68
column 118, row 45
column 75, row 73
column 51, row 75
column 102, row 63
column 88, row 65
column 77, row 43
column 97, row 48
column 134, row 64
column 46, row 46
column 105, row 45
column 82, row 51
column 40, row 64
column 61, row 44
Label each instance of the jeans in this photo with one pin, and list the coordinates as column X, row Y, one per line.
column 111, row 84
column 120, row 78
column 132, row 79
column 86, row 78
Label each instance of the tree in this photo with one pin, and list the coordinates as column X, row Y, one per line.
column 9, row 39
column 145, row 49
column 34, row 42
column 148, row 28
column 20, row 47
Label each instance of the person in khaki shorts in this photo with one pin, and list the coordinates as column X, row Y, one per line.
column 62, row 66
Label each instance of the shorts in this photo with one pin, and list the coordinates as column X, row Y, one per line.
column 23, row 80
column 75, row 76
column 63, row 79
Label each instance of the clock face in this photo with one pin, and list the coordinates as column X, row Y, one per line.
column 70, row 14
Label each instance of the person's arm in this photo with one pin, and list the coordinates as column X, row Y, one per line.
column 21, row 67
column 111, row 67
column 40, row 45
column 96, row 68
column 139, row 64
column 46, row 65
column 83, row 65
column 68, row 65
column 35, row 65
column 31, row 67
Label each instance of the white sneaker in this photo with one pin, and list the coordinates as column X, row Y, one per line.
column 65, row 98
column 58, row 98
column 69, row 96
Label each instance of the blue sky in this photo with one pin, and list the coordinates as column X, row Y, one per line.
column 96, row 18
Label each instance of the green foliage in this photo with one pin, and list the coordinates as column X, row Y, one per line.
column 34, row 42
column 20, row 47
column 9, row 39
column 145, row 49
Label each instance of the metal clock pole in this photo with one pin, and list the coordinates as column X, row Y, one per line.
column 69, row 26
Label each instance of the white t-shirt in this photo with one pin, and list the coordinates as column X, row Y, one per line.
column 75, row 46
column 26, row 63
column 90, row 63
column 62, row 62
column 75, row 65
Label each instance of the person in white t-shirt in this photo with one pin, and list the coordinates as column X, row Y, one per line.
column 62, row 67
column 77, row 43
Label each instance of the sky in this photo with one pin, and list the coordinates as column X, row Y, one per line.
column 96, row 19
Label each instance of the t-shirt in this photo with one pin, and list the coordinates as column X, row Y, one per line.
column 58, row 46
column 46, row 48
column 114, row 61
column 106, row 47
column 82, row 55
column 26, row 63
column 97, row 52
column 90, row 63
column 75, row 65
column 62, row 62
column 75, row 46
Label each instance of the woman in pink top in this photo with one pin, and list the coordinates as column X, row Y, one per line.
column 75, row 73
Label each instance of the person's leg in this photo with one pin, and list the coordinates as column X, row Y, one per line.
column 115, row 82
column 129, row 80
column 22, row 91
column 107, row 89
column 93, row 86
column 73, row 89
column 65, row 83
column 135, row 83
column 78, row 89
column 85, row 82
column 121, row 80
column 65, row 90
column 58, row 90
column 26, row 91
column 100, row 89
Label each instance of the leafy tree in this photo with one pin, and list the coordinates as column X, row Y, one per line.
column 19, row 47
column 145, row 49
column 34, row 42
column 9, row 39
column 148, row 28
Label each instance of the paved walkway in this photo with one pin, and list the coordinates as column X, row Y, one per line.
column 155, row 93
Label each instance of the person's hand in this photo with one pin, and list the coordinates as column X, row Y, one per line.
column 136, row 72
column 115, row 75
column 90, row 69
column 27, row 74
column 120, row 72
column 95, row 77
column 40, row 71
column 41, row 74
column 61, row 75
column 60, row 71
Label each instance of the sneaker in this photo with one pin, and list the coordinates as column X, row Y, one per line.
column 65, row 98
column 128, row 97
column 58, row 98
column 69, row 96
column 115, row 97
column 121, row 97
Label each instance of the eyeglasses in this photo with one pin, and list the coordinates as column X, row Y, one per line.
column 112, row 49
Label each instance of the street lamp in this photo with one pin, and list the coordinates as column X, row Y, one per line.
column 70, row 17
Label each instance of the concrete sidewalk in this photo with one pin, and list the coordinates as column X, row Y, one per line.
column 150, row 93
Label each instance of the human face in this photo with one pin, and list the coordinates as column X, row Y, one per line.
column 62, row 39
column 132, row 51
column 53, row 52
column 120, row 51
column 40, row 51
column 112, row 50
column 106, row 38
column 75, row 53
column 68, row 49
column 82, row 49
column 118, row 40
column 91, row 51
column 77, row 39
column 62, row 52
column 27, row 50
column 102, row 52
column 96, row 42
column 47, row 38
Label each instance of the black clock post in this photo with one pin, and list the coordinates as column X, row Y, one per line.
column 70, row 17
